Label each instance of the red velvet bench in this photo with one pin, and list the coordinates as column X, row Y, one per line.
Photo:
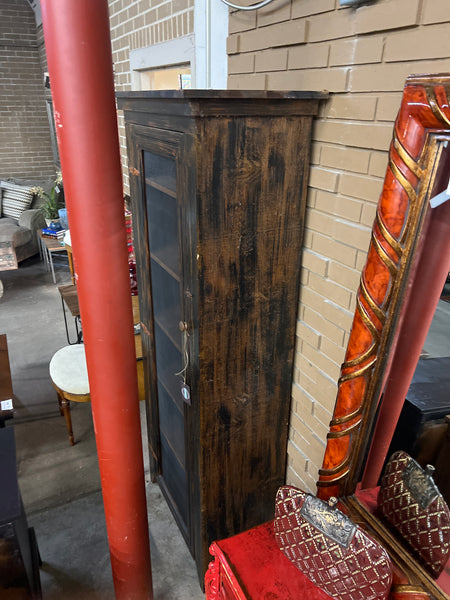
column 251, row 566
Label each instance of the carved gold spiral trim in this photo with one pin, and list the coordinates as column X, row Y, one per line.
column 365, row 355
column 335, row 469
column 390, row 239
column 358, row 372
column 408, row 589
column 391, row 266
column 357, row 361
column 349, row 417
column 338, row 434
column 384, row 256
column 407, row 158
column 406, row 185
column 379, row 313
column 334, row 481
column 437, row 110
column 367, row 320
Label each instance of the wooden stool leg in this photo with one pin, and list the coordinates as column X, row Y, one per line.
column 66, row 410
column 60, row 399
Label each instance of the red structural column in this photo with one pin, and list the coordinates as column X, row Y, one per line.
column 81, row 77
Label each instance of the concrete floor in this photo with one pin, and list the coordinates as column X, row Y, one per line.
column 60, row 484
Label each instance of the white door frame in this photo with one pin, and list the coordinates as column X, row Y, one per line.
column 205, row 50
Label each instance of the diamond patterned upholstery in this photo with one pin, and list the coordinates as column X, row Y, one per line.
column 361, row 571
column 427, row 530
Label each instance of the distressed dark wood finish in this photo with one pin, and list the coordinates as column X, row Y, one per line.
column 249, row 245
column 242, row 165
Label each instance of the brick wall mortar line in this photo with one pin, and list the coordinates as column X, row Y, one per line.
column 33, row 45
column 421, row 12
column 122, row 10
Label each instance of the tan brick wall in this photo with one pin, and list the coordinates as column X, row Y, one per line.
column 25, row 145
column 138, row 24
column 362, row 56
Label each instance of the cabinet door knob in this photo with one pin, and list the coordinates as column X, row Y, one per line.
column 183, row 326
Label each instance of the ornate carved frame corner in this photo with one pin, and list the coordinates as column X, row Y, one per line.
column 422, row 122
column 212, row 577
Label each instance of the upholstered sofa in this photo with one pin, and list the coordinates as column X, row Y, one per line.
column 20, row 218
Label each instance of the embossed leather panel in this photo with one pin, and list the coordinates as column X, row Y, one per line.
column 357, row 569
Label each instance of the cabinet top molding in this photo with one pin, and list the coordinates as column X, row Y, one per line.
column 220, row 103
column 224, row 94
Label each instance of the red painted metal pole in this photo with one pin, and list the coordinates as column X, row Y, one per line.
column 80, row 65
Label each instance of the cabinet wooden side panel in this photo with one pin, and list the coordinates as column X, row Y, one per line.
column 251, row 218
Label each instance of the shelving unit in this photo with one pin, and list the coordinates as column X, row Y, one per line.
column 218, row 183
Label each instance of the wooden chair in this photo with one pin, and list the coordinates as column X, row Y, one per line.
column 69, row 297
column 68, row 373
column 69, row 376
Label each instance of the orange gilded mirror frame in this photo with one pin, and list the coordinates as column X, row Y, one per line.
column 415, row 150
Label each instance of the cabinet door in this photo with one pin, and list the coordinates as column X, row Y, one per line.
column 161, row 257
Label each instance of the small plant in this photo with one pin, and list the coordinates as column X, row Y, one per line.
column 51, row 205
column 52, row 201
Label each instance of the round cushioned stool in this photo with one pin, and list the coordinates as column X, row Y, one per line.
column 68, row 373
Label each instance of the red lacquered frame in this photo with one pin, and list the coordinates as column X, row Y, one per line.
column 401, row 225
column 401, row 213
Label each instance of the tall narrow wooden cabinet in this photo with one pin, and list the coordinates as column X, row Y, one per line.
column 218, row 183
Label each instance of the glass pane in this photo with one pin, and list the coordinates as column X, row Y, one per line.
column 165, row 78
column 165, row 274
column 171, row 421
column 174, row 478
column 166, row 302
column 168, row 362
column 163, row 230
column 160, row 170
